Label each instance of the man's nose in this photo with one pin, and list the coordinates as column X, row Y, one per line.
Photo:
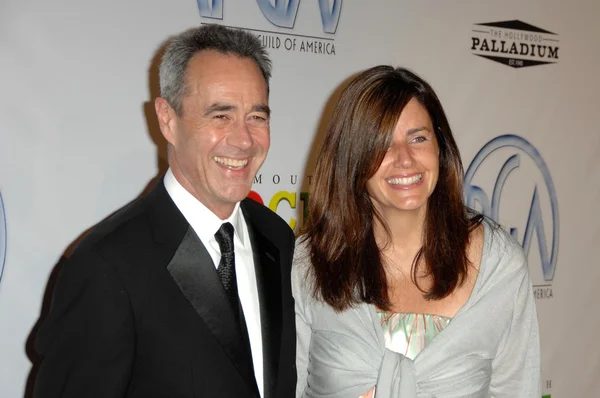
column 240, row 136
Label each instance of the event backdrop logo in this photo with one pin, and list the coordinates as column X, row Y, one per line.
column 514, row 43
column 297, row 203
column 2, row 237
column 509, row 182
column 283, row 14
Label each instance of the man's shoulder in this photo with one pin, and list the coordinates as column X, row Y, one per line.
column 263, row 215
column 268, row 222
column 120, row 225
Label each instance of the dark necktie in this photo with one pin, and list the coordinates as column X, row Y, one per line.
column 226, row 268
column 226, row 272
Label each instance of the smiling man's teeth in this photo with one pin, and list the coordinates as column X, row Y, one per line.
column 405, row 180
column 231, row 163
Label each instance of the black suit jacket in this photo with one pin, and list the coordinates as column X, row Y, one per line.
column 139, row 311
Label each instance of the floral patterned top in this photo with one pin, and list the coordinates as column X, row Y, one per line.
column 408, row 334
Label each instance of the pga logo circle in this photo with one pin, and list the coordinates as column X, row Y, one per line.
column 509, row 181
column 2, row 237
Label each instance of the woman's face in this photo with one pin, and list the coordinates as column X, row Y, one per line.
column 409, row 171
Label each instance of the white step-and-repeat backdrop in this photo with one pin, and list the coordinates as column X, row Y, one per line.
column 519, row 81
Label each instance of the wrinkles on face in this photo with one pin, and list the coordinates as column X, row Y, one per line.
column 223, row 135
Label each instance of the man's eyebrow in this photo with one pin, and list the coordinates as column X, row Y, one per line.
column 218, row 107
column 221, row 107
column 262, row 108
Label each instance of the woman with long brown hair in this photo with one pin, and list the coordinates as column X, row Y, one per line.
column 399, row 288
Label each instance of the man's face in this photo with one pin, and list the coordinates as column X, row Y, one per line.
column 222, row 136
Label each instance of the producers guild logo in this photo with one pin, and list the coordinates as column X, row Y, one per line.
column 283, row 14
column 514, row 43
column 509, row 182
column 2, row 237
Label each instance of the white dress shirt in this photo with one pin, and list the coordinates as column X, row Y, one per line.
column 205, row 223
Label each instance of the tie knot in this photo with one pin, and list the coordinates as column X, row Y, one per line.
column 224, row 237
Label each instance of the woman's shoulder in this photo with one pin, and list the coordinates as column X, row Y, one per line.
column 499, row 242
column 301, row 270
column 301, row 262
column 501, row 251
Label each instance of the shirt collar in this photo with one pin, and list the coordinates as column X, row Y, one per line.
column 204, row 222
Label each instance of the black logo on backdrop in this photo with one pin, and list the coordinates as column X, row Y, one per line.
column 514, row 43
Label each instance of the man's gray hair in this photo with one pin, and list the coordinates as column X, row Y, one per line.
column 218, row 38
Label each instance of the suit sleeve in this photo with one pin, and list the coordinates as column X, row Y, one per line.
column 516, row 370
column 87, row 342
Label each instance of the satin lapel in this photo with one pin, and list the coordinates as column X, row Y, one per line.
column 193, row 271
column 268, row 281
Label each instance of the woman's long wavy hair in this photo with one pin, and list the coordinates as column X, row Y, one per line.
column 346, row 263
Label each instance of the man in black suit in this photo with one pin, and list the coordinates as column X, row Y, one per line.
column 186, row 291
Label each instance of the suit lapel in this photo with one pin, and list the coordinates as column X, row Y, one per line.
column 268, row 281
column 194, row 272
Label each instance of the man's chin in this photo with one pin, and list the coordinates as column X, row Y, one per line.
column 236, row 195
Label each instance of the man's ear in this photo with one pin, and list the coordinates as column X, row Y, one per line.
column 166, row 119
